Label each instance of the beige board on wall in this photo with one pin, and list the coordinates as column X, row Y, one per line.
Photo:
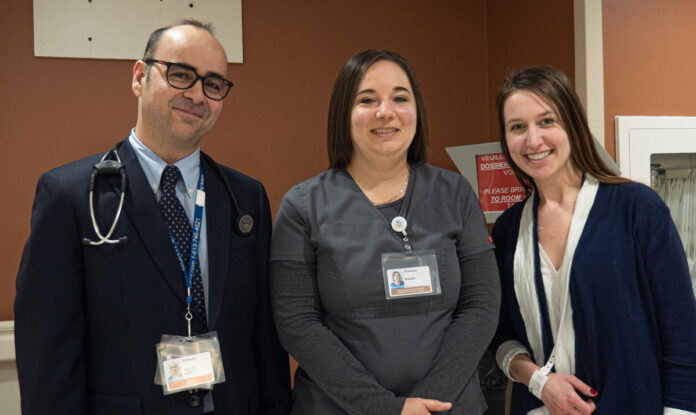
column 118, row 29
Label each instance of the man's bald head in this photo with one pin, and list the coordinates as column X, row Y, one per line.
column 156, row 36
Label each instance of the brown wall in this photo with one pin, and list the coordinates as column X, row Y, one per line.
column 525, row 33
column 274, row 121
column 649, row 59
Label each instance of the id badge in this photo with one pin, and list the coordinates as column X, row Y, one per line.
column 188, row 363
column 410, row 274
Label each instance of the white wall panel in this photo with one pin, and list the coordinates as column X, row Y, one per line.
column 118, row 29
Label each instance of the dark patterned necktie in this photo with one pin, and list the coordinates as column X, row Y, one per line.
column 180, row 228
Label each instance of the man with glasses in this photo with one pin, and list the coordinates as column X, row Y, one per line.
column 186, row 257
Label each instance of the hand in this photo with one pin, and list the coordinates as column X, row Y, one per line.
column 418, row 406
column 560, row 395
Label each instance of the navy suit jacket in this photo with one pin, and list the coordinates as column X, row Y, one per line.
column 87, row 318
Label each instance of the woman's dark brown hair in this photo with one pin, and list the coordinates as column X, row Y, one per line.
column 553, row 86
column 339, row 141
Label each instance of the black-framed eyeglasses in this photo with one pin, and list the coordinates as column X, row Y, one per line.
column 182, row 76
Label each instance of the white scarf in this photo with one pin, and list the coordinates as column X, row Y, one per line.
column 563, row 355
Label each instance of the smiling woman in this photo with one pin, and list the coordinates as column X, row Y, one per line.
column 382, row 257
column 383, row 119
column 594, row 278
column 537, row 141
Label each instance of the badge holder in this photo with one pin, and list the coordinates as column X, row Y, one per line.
column 188, row 363
column 409, row 273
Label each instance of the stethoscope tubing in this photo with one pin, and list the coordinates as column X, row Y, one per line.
column 106, row 166
column 105, row 239
column 245, row 222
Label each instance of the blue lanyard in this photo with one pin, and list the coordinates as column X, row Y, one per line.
column 195, row 237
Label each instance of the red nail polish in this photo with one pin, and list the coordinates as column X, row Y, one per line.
column 592, row 391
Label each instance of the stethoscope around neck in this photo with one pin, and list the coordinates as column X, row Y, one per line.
column 111, row 164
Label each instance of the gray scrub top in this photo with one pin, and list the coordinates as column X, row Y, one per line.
column 327, row 221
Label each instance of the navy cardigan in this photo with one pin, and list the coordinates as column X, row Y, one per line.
column 634, row 312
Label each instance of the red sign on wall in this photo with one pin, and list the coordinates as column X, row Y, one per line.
column 498, row 187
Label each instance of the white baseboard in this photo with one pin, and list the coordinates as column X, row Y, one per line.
column 9, row 385
column 7, row 347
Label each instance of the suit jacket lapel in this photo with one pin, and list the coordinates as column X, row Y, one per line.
column 143, row 211
column 218, row 211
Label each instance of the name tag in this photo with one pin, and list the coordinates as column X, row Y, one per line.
column 188, row 372
column 410, row 275
column 411, row 281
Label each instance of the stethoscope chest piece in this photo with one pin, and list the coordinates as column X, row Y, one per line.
column 245, row 223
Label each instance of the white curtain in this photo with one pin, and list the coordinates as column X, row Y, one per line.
column 680, row 195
